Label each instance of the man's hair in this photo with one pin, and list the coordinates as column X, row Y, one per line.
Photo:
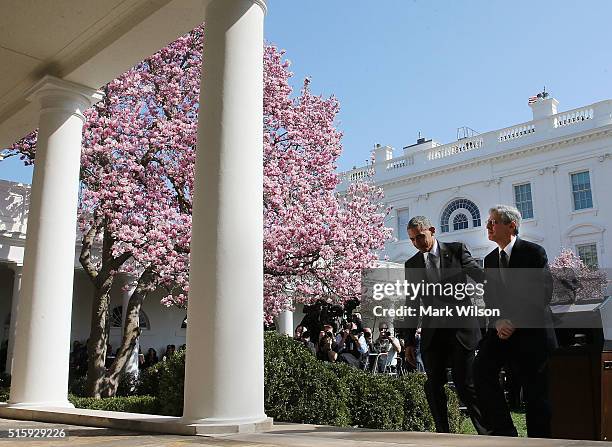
column 508, row 214
column 419, row 222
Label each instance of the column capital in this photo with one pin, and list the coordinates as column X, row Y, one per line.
column 53, row 93
column 262, row 4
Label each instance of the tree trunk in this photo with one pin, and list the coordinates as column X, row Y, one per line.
column 131, row 331
column 102, row 279
column 98, row 338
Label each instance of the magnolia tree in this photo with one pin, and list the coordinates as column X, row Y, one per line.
column 137, row 168
column 575, row 281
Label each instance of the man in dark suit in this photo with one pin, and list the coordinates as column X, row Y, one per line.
column 520, row 287
column 444, row 339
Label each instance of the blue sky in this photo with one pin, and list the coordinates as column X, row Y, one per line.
column 400, row 67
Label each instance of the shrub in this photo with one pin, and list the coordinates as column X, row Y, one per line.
column 417, row 416
column 299, row 388
column 5, row 380
column 373, row 400
column 77, row 385
column 455, row 416
column 127, row 384
column 171, row 373
column 148, row 381
column 4, row 394
column 129, row 404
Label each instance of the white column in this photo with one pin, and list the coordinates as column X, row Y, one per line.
column 224, row 369
column 132, row 364
column 284, row 323
column 42, row 342
column 17, row 271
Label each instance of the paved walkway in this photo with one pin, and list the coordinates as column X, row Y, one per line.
column 283, row 435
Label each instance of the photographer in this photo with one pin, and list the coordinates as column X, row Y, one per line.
column 304, row 339
column 327, row 348
column 352, row 346
column 386, row 343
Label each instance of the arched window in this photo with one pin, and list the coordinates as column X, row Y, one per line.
column 461, row 220
column 116, row 317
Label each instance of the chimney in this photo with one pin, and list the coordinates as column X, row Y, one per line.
column 543, row 108
column 382, row 153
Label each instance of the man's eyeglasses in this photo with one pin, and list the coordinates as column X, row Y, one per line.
column 492, row 222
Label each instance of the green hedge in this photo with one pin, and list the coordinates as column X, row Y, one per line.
column 129, row 404
column 299, row 388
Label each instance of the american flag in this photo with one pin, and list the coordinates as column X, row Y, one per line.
column 532, row 99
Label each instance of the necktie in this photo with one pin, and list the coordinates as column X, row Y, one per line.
column 503, row 264
column 503, row 259
column 433, row 273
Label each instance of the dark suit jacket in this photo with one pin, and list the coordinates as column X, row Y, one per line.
column 456, row 263
column 524, row 296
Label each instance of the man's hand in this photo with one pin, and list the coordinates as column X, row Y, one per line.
column 410, row 355
column 505, row 329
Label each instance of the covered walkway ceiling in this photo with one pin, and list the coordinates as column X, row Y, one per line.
column 89, row 42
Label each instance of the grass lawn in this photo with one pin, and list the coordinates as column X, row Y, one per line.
column 519, row 422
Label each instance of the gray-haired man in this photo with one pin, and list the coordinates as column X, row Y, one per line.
column 444, row 340
column 519, row 285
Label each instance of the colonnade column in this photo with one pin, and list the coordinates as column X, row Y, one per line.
column 285, row 323
column 17, row 272
column 224, row 363
column 42, row 341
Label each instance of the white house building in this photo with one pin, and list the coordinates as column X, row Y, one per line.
column 556, row 169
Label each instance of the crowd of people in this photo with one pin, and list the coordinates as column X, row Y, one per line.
column 351, row 343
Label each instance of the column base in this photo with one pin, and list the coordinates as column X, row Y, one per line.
column 212, row 426
column 38, row 405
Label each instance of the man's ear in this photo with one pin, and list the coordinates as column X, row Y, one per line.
column 433, row 230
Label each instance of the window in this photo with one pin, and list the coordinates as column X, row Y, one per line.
column 116, row 319
column 460, row 222
column 588, row 254
column 402, row 223
column 523, row 201
column 581, row 190
column 470, row 209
